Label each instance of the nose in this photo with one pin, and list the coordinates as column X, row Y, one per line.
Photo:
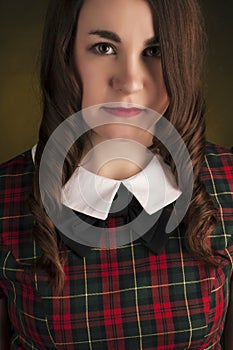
column 128, row 77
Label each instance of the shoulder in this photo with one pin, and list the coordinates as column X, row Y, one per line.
column 16, row 175
column 16, row 165
column 218, row 157
column 217, row 175
column 217, row 168
column 16, row 178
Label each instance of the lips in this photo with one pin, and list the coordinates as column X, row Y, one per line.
column 123, row 112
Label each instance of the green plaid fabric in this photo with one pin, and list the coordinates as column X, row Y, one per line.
column 125, row 298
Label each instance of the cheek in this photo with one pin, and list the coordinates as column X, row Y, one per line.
column 92, row 76
column 158, row 92
column 89, row 89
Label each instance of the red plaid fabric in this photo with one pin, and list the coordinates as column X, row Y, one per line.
column 124, row 298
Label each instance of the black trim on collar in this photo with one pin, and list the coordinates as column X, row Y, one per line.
column 154, row 239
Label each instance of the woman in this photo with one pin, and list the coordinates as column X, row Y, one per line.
column 158, row 290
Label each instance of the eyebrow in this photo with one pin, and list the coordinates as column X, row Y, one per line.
column 106, row 34
column 114, row 37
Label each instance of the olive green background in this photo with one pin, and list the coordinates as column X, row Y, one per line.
column 21, row 24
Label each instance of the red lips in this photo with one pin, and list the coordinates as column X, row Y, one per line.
column 123, row 112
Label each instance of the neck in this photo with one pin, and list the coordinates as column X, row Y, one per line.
column 116, row 159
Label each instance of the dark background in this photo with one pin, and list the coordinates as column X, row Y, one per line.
column 21, row 24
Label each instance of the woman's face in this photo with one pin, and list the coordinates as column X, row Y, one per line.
column 117, row 57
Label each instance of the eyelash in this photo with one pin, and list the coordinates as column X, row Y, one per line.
column 95, row 48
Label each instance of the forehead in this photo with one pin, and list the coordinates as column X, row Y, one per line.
column 121, row 16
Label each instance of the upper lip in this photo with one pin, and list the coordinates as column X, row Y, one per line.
column 123, row 105
column 124, row 109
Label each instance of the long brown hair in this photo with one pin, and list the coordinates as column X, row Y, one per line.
column 180, row 27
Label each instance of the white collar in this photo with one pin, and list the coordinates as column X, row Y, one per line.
column 154, row 187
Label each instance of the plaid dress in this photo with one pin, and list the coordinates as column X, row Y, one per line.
column 124, row 298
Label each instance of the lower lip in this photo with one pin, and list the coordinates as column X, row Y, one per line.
column 123, row 112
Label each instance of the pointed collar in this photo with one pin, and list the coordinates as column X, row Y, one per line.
column 154, row 187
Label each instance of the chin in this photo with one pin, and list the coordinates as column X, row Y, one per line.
column 125, row 132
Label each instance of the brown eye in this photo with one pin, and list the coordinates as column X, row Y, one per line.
column 153, row 51
column 104, row 49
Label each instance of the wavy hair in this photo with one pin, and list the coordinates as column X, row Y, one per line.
column 182, row 39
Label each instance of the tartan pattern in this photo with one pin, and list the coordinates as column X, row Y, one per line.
column 122, row 298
